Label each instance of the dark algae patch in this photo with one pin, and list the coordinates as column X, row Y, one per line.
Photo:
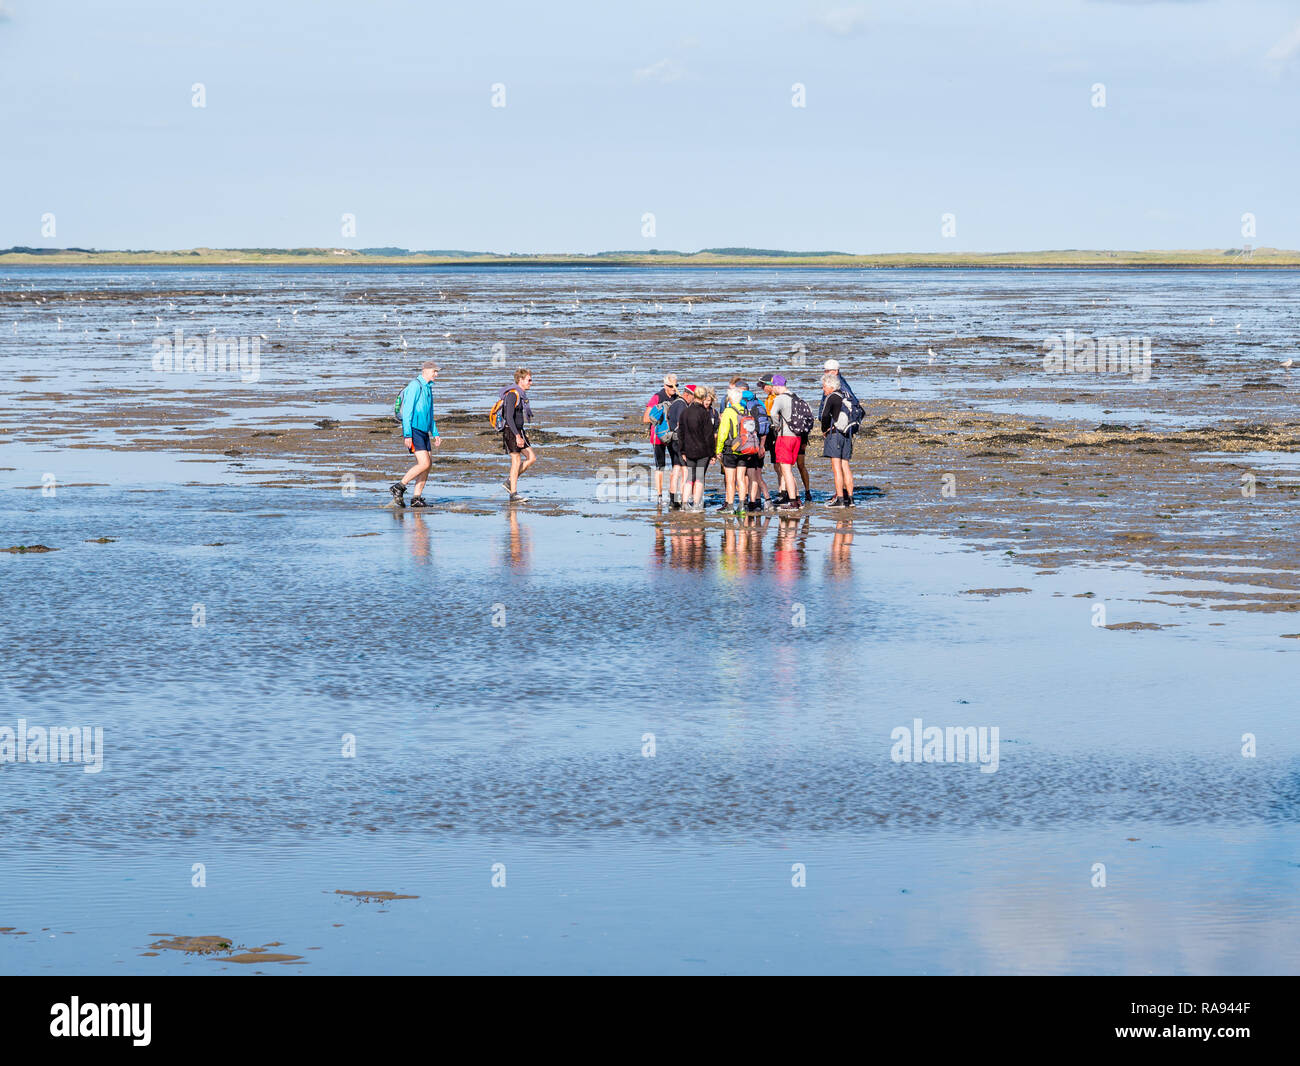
column 194, row 945
column 221, row 948
column 23, row 549
column 372, row 897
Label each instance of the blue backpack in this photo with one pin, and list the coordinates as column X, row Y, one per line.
column 665, row 432
column 759, row 411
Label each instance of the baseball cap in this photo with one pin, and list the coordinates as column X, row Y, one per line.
column 778, row 380
column 429, row 364
column 831, row 364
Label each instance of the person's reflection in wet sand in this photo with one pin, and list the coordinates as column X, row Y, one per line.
column 417, row 533
column 682, row 547
column 839, row 560
column 789, row 553
column 517, row 546
column 742, row 544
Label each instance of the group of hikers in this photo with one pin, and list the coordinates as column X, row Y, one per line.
column 690, row 429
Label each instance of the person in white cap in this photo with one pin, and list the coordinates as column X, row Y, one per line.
column 832, row 366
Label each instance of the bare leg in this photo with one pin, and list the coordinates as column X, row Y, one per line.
column 420, row 471
column 839, row 478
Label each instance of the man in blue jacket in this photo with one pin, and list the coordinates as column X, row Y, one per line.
column 420, row 434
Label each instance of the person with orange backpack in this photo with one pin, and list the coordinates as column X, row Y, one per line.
column 510, row 416
column 738, row 444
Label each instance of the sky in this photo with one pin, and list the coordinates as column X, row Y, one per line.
column 383, row 110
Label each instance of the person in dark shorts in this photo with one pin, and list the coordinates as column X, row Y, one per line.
column 839, row 443
column 419, row 434
column 663, row 456
column 698, row 441
column 733, row 464
column 516, row 414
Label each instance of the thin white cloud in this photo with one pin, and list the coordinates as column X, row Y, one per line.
column 666, row 70
column 845, row 21
column 1286, row 49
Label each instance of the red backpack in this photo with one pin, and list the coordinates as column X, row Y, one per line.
column 747, row 441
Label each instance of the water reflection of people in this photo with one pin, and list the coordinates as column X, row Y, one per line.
column 789, row 553
column 742, row 543
column 417, row 533
column 518, row 543
column 685, row 545
column 839, row 560
column 681, row 546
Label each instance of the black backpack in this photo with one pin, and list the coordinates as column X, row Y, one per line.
column 801, row 416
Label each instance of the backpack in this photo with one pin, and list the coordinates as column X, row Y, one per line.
column 855, row 412
column 801, row 416
column 748, row 440
column 397, row 406
column 675, row 410
column 497, row 416
column 664, row 430
column 764, row 421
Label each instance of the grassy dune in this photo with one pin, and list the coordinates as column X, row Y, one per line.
column 1232, row 258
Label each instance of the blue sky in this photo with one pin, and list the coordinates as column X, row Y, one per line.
column 382, row 109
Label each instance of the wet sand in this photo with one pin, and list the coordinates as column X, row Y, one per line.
column 1121, row 742
column 1165, row 492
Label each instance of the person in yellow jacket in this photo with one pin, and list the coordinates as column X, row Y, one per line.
column 733, row 467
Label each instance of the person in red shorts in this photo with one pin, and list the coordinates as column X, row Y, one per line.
column 787, row 444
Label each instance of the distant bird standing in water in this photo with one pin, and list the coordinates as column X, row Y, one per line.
column 1288, row 363
column 931, row 351
column 404, row 344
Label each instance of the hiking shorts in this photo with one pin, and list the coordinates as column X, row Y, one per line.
column 787, row 450
column 753, row 462
column 697, row 468
column 668, row 453
column 730, row 460
column 803, row 444
column 420, row 441
column 512, row 445
column 838, row 445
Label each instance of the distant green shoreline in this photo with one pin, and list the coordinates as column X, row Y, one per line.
column 1232, row 259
